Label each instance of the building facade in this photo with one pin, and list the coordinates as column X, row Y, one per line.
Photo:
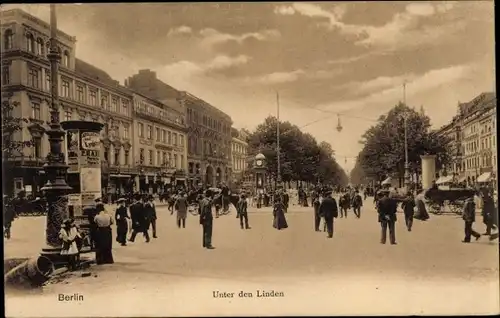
column 239, row 154
column 159, row 144
column 86, row 93
column 208, row 134
column 473, row 133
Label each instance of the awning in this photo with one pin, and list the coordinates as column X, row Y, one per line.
column 462, row 179
column 446, row 179
column 387, row 181
column 485, row 177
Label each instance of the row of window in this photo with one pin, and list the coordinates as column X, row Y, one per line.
column 484, row 161
column 157, row 112
column 35, row 46
column 207, row 121
column 82, row 93
column 116, row 157
column 237, row 148
column 162, row 135
column 239, row 164
column 162, row 158
column 36, row 113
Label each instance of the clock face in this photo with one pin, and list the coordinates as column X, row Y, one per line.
column 259, row 162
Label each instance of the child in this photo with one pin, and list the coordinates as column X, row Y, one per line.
column 69, row 234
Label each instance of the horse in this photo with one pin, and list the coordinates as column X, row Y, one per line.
column 217, row 202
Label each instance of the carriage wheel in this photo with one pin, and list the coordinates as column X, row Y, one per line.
column 456, row 208
column 436, row 208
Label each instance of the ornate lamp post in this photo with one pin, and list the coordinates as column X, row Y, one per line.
column 55, row 168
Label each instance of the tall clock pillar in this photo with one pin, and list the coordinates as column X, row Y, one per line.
column 259, row 169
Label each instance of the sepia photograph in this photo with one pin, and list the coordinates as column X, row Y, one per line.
column 189, row 159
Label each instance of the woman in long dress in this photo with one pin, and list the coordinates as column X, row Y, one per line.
column 279, row 221
column 69, row 235
column 104, row 239
column 421, row 213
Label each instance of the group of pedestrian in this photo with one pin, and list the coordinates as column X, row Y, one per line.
column 488, row 212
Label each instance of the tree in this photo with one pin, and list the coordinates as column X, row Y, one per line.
column 12, row 146
column 11, row 125
column 383, row 150
column 301, row 157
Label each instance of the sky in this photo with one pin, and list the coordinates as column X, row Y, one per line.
column 323, row 59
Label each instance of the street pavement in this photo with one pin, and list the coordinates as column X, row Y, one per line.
column 429, row 272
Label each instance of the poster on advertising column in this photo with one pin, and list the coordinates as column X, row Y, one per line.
column 90, row 166
column 73, row 149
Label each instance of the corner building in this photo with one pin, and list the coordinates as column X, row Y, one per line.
column 239, row 155
column 208, row 129
column 159, row 145
column 85, row 93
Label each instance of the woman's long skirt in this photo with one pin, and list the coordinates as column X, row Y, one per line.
column 421, row 213
column 104, row 245
column 279, row 221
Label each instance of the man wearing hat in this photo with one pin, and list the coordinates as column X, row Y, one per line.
column 357, row 203
column 139, row 221
column 121, row 217
column 206, row 219
column 242, row 211
column 150, row 210
column 469, row 217
column 387, row 216
column 328, row 210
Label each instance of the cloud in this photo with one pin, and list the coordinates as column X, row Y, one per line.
column 284, row 10
column 280, row 77
column 212, row 37
column 223, row 62
column 421, row 9
column 391, row 34
column 180, row 30
column 387, row 90
column 188, row 69
column 313, row 11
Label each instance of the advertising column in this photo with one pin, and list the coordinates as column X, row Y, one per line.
column 90, row 166
column 428, row 170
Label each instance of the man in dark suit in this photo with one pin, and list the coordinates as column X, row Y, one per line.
column 329, row 210
column 150, row 210
column 386, row 207
column 139, row 220
column 243, row 211
column 469, row 217
column 206, row 220
column 317, row 218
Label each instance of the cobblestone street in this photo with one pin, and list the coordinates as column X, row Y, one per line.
column 352, row 270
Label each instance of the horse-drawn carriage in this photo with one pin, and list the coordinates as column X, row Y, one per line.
column 221, row 207
column 453, row 198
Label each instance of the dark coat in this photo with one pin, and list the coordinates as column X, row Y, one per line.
column 357, row 201
column 121, row 215
column 138, row 216
column 205, row 209
column 469, row 212
column 408, row 206
column 242, row 206
column 150, row 211
column 387, row 209
column 328, row 208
